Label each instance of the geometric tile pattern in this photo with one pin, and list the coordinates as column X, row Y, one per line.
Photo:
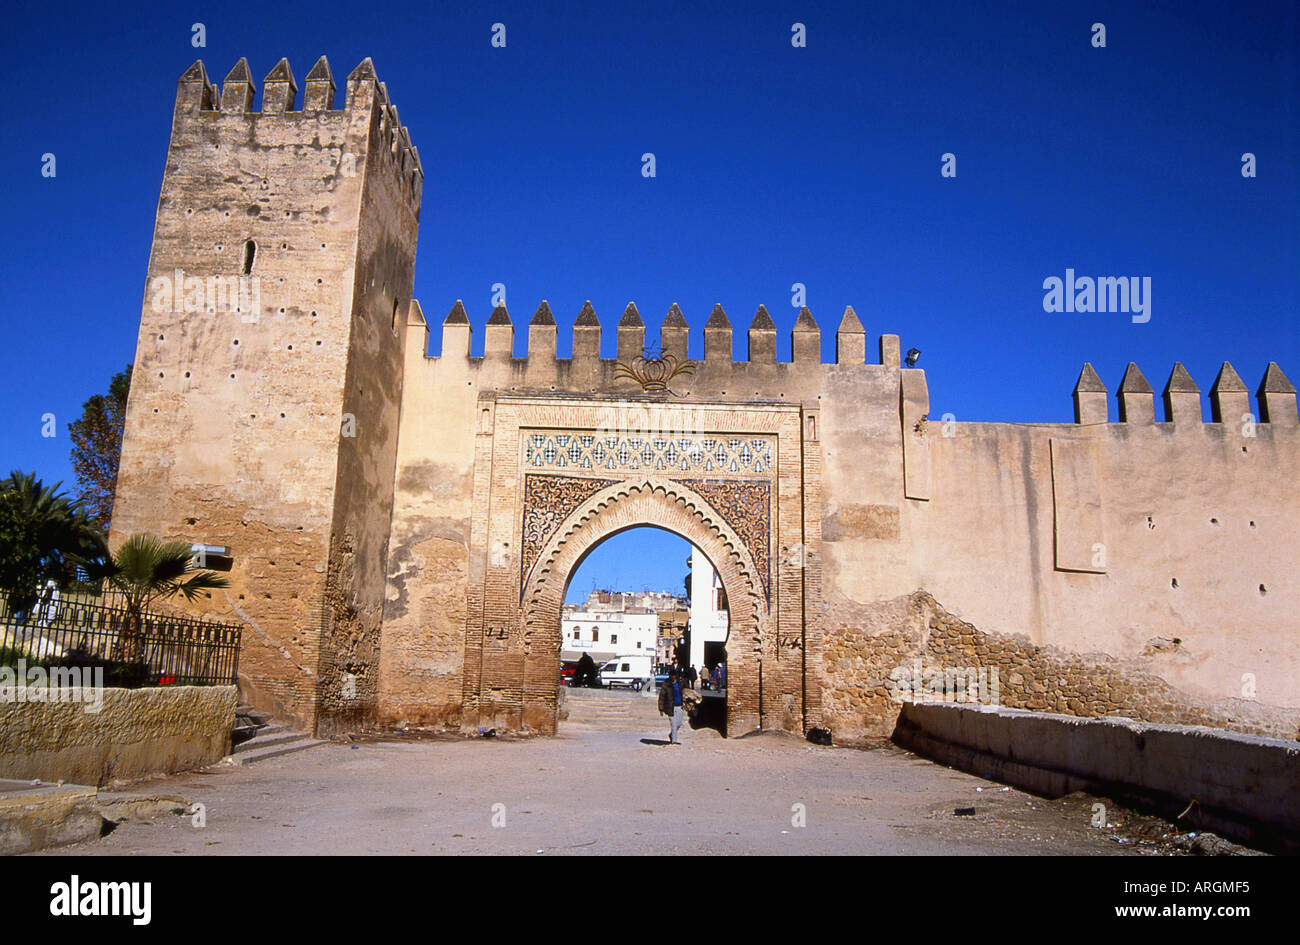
column 697, row 453
column 548, row 500
column 746, row 505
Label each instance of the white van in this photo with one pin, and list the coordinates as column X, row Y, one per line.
column 634, row 671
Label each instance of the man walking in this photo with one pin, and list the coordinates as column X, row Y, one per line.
column 672, row 698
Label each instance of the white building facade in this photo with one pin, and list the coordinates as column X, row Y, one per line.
column 606, row 635
column 709, row 617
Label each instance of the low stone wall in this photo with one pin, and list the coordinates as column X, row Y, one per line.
column 35, row 816
column 136, row 732
column 1244, row 786
column 858, row 704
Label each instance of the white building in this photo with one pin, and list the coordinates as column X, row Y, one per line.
column 709, row 616
column 606, row 635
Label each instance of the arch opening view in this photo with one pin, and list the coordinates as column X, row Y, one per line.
column 641, row 602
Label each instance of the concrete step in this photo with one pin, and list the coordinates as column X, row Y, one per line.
column 272, row 728
column 257, row 753
column 284, row 737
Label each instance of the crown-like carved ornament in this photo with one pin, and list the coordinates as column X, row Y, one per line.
column 654, row 374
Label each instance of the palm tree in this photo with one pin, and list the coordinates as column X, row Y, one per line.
column 43, row 535
column 144, row 570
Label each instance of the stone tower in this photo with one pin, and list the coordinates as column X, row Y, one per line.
column 268, row 370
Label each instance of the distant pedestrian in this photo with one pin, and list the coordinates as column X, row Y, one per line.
column 722, row 676
column 692, row 675
column 670, row 703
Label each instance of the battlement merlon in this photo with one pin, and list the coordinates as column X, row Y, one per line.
column 805, row 337
column 1229, row 398
column 198, row 99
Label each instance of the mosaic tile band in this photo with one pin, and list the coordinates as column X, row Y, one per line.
column 697, row 453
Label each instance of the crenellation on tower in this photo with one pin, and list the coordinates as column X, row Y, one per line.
column 457, row 333
column 1090, row 397
column 499, row 334
column 1277, row 398
column 631, row 334
column 542, row 333
column 850, row 339
column 1136, row 397
column 279, row 90
column 805, row 339
column 674, row 333
column 586, row 334
column 1182, row 398
column 237, row 90
column 320, row 88
column 717, row 336
column 762, row 338
column 1229, row 397
column 890, row 351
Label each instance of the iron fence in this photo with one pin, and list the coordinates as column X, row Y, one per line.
column 97, row 629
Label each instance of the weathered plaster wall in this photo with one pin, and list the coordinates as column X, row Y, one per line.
column 136, row 732
column 862, row 704
column 1196, row 504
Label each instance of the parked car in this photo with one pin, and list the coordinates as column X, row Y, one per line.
column 633, row 671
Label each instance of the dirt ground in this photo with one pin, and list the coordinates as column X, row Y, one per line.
column 612, row 787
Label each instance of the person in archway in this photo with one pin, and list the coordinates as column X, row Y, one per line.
column 584, row 674
column 673, row 691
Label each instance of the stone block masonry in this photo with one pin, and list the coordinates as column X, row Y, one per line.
column 861, row 705
column 137, row 732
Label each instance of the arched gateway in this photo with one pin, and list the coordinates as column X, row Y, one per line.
column 557, row 476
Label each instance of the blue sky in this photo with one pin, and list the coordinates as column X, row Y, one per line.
column 775, row 165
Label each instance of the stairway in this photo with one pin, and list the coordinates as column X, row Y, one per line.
column 612, row 708
column 257, row 737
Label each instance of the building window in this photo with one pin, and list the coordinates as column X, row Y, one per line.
column 595, row 635
column 613, row 638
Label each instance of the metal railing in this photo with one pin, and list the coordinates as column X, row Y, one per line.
column 97, row 629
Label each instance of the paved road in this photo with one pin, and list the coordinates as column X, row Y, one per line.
column 604, row 786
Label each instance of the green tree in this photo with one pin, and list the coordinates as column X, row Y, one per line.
column 97, row 447
column 145, row 569
column 44, row 535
